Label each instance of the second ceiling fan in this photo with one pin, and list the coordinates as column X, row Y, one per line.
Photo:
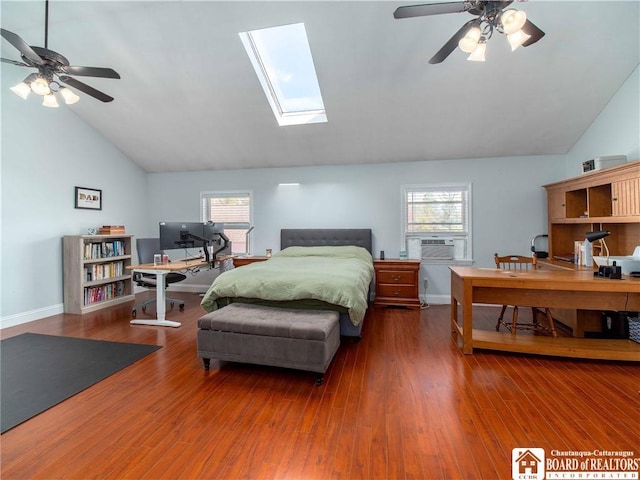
column 472, row 37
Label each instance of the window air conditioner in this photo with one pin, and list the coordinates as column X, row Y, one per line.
column 437, row 248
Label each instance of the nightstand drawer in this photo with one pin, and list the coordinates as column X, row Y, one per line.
column 396, row 277
column 397, row 291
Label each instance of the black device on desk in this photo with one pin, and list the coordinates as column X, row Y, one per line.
column 175, row 235
column 613, row 272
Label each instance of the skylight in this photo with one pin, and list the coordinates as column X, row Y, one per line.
column 281, row 57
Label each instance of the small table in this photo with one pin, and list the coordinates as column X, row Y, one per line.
column 397, row 283
column 241, row 261
column 161, row 271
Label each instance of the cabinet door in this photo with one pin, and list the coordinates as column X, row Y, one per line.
column 556, row 204
column 626, row 197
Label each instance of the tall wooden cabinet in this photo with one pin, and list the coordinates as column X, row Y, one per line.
column 603, row 200
column 95, row 274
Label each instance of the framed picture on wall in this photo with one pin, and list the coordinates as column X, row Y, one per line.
column 88, row 198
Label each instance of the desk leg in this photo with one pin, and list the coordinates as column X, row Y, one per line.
column 454, row 317
column 462, row 298
column 467, row 324
column 161, row 305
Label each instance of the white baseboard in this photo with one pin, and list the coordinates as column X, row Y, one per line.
column 39, row 313
column 31, row 316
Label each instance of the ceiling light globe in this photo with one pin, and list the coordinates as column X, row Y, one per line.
column 22, row 90
column 69, row 97
column 40, row 86
column 517, row 38
column 50, row 101
column 512, row 20
column 478, row 54
column 470, row 41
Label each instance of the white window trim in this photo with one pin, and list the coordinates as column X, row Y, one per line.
column 228, row 193
column 468, row 260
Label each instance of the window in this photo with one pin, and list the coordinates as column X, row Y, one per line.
column 281, row 58
column 234, row 210
column 442, row 211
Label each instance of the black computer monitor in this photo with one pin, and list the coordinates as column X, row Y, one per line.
column 175, row 235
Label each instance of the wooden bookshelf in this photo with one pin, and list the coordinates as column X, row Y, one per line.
column 95, row 272
column 602, row 200
column 607, row 199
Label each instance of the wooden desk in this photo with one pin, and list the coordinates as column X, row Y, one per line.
column 561, row 289
column 160, row 271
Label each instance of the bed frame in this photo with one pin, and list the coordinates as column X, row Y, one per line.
column 336, row 237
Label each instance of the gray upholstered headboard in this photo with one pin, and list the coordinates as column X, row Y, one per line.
column 313, row 237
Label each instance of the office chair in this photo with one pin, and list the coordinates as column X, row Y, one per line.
column 147, row 247
column 520, row 263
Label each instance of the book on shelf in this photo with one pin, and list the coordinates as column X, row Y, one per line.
column 103, row 292
column 102, row 271
column 99, row 250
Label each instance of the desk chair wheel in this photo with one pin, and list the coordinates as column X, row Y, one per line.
column 173, row 301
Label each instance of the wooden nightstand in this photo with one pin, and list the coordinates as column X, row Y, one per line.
column 397, row 283
column 241, row 261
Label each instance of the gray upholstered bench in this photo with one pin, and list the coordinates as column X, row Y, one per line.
column 289, row 338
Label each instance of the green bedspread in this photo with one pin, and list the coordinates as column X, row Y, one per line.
column 335, row 275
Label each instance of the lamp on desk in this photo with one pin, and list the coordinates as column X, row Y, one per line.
column 599, row 235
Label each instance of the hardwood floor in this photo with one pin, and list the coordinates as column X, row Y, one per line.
column 403, row 402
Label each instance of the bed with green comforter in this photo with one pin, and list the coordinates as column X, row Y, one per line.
column 323, row 277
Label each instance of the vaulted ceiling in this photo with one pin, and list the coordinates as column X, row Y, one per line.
column 189, row 99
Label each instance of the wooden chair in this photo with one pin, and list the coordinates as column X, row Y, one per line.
column 521, row 263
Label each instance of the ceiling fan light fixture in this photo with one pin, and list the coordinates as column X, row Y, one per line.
column 469, row 42
column 517, row 38
column 50, row 101
column 512, row 20
column 478, row 54
column 40, row 86
column 69, row 97
column 22, row 90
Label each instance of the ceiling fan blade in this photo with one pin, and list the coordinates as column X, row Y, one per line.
column 530, row 29
column 431, row 9
column 83, row 87
column 6, row 60
column 451, row 45
column 92, row 72
column 22, row 46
